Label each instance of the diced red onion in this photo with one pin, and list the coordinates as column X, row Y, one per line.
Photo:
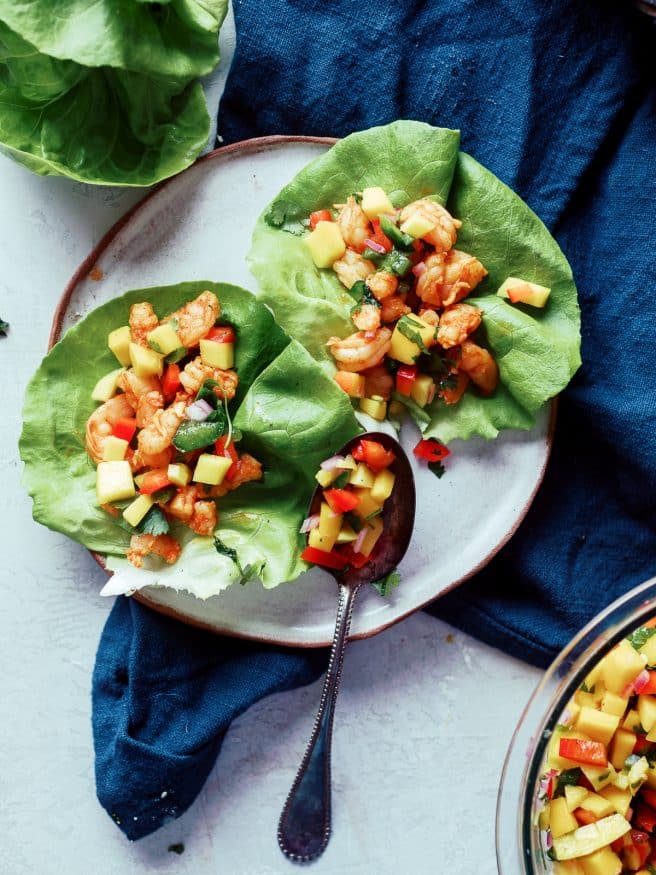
column 199, row 410
column 375, row 246
column 309, row 523
column 419, row 269
column 359, row 541
column 549, row 840
column 627, row 691
column 333, row 463
column 641, row 681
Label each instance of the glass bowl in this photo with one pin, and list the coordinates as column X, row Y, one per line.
column 520, row 850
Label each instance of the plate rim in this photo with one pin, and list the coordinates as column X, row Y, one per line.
column 254, row 145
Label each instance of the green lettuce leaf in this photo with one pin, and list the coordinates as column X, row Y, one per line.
column 94, row 96
column 537, row 351
column 289, row 413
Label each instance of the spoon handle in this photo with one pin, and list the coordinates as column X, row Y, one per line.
column 304, row 827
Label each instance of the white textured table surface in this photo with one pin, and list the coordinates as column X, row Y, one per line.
column 424, row 718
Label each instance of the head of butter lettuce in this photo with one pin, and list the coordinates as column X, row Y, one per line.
column 290, row 414
column 106, row 92
column 537, row 350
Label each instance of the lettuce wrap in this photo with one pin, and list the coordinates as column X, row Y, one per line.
column 106, row 92
column 289, row 412
column 537, row 351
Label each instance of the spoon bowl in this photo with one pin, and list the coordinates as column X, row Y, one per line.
column 305, row 823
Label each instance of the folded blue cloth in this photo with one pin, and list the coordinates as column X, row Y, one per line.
column 558, row 100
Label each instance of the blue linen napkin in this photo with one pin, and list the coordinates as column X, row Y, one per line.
column 557, row 99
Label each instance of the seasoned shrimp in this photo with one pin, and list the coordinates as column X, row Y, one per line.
column 479, row 365
column 160, row 545
column 382, row 284
column 181, row 506
column 443, row 234
column 431, row 281
column 453, row 394
column 393, row 308
column 367, row 318
column 147, row 405
column 462, row 273
column 352, row 267
column 248, row 469
column 101, row 422
column 378, row 381
column 456, row 324
column 353, row 223
column 430, row 317
column 142, row 320
column 139, row 460
column 195, row 373
column 136, row 387
column 204, row 518
column 196, row 318
column 160, row 430
column 358, row 351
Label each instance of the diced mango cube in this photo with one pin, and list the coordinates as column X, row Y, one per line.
column 417, row 226
column 599, row 776
column 619, row 799
column 135, row 512
column 574, row 795
column 362, row 476
column 647, row 711
column 346, row 535
column 119, row 343
column 114, row 449
column 375, row 407
column 411, row 336
column 352, row 384
column 326, row 244
column 145, row 361
column 597, row 805
column 423, row 390
column 592, row 837
column 164, row 339
column 211, row 469
column 367, row 506
column 217, row 355
column 114, row 482
column 621, row 747
column 611, row 703
column 106, row 386
column 179, row 474
column 602, row 862
column 321, row 542
column 520, row 291
column 561, row 820
column 648, row 650
column 375, row 202
column 383, row 486
column 329, row 522
column 597, row 725
column 374, row 529
column 621, row 666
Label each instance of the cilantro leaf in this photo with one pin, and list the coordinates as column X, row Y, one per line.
column 154, row 523
column 386, row 584
column 341, row 481
column 437, row 468
column 567, row 777
column 163, row 496
column 406, row 328
column 250, row 572
column 640, row 637
column 176, row 356
column 4, row 327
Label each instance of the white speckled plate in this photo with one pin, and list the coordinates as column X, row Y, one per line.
column 198, row 225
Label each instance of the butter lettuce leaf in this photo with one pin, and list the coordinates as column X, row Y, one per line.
column 103, row 95
column 290, row 415
column 537, row 351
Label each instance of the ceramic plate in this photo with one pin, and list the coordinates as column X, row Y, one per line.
column 198, row 225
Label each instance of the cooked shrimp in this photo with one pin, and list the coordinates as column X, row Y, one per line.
column 359, row 352
column 135, row 387
column 195, row 373
column 196, row 318
column 443, row 234
column 139, row 460
column 453, row 394
column 158, row 434
column 248, row 469
column 204, row 518
column 479, row 365
column 393, row 308
column 367, row 318
column 456, row 324
column 430, row 317
column 101, row 422
column 462, row 273
column 431, row 281
column 147, row 405
column 142, row 320
column 352, row 267
column 160, row 545
column 181, row 506
column 378, row 381
column 353, row 223
column 382, row 284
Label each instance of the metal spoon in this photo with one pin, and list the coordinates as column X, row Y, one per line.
column 304, row 827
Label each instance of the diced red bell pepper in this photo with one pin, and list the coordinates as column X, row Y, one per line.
column 319, row 216
column 171, row 381
column 356, row 560
column 374, row 455
column 328, row 559
column 649, row 796
column 405, row 379
column 650, row 686
column 221, row 334
column 230, row 452
column 125, row 428
column 154, row 480
column 641, row 845
column 644, row 817
column 650, row 623
column 641, row 745
column 379, row 237
column 583, row 750
column 341, row 500
column 431, row 450
column 583, row 816
column 618, row 845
